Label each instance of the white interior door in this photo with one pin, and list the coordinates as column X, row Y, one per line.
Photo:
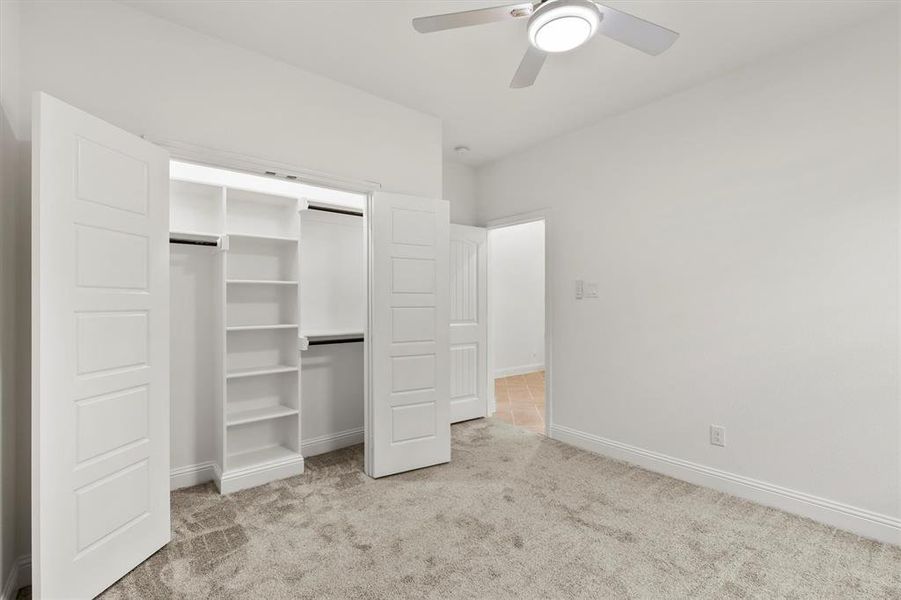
column 468, row 325
column 100, row 351
column 408, row 366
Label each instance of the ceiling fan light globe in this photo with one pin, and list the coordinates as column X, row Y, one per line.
column 563, row 34
column 563, row 25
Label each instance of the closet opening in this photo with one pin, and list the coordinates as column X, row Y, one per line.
column 516, row 274
column 268, row 311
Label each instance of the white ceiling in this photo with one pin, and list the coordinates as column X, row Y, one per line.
column 462, row 75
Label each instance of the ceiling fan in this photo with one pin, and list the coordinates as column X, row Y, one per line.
column 558, row 26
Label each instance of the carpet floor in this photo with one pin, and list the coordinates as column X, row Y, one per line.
column 514, row 515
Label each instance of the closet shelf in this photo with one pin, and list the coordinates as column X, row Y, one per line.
column 264, row 237
column 256, row 371
column 262, row 327
column 262, row 456
column 259, row 282
column 242, row 417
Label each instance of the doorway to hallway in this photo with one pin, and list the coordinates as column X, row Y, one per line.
column 516, row 272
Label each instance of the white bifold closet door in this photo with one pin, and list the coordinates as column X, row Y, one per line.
column 408, row 365
column 468, row 325
column 100, row 351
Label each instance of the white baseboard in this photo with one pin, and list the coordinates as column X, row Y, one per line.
column 520, row 370
column 189, row 475
column 19, row 576
column 233, row 481
column 863, row 522
column 332, row 441
column 182, row 477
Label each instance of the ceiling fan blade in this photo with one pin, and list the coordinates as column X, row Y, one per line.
column 632, row 31
column 472, row 17
column 528, row 69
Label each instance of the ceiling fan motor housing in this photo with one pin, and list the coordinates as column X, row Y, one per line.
column 563, row 25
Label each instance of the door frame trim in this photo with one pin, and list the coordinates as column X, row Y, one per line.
column 544, row 215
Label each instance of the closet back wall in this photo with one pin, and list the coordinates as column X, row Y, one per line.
column 193, row 286
column 332, row 298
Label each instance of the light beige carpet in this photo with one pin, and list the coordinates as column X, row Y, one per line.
column 514, row 515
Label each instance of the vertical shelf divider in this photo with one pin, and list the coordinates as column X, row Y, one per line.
column 219, row 346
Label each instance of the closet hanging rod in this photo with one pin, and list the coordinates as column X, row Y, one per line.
column 337, row 341
column 212, row 244
column 340, row 211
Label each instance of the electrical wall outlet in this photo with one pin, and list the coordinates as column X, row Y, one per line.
column 717, row 435
column 591, row 290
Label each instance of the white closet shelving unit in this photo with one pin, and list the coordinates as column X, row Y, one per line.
column 261, row 400
column 257, row 311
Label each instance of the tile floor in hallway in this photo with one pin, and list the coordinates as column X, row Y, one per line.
column 520, row 400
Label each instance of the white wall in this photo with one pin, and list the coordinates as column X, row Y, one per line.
column 459, row 189
column 516, row 276
column 152, row 77
column 9, row 361
column 10, row 37
column 14, row 304
column 744, row 234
